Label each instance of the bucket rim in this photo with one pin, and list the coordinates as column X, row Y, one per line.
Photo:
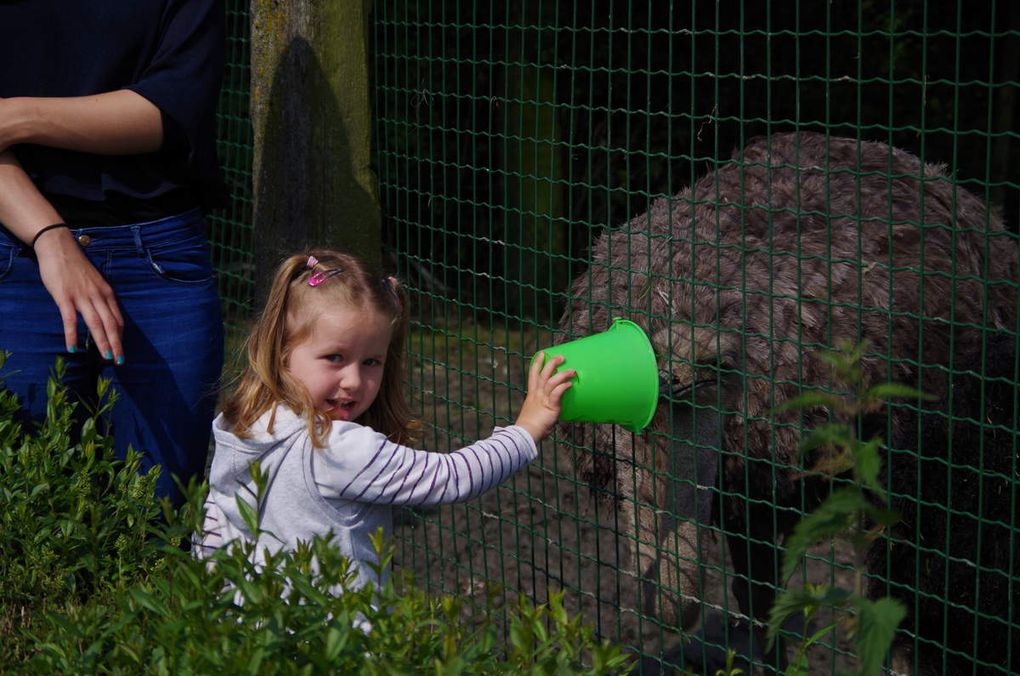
column 649, row 352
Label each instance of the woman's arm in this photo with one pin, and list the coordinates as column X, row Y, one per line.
column 73, row 282
column 121, row 122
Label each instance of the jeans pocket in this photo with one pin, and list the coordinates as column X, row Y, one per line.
column 186, row 262
column 7, row 254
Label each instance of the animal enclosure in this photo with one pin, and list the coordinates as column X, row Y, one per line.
column 756, row 184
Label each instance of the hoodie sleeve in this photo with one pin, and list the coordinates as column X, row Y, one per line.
column 360, row 465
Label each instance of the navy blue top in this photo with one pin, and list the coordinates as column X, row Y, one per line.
column 169, row 51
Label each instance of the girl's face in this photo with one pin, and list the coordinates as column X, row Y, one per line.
column 341, row 361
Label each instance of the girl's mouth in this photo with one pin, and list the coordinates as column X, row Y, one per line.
column 340, row 409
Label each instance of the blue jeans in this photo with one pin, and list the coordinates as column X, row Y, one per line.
column 162, row 275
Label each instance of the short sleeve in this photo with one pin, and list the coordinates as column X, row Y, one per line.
column 184, row 74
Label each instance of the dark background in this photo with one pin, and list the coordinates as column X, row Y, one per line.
column 509, row 134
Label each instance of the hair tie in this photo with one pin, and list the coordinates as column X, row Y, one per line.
column 45, row 230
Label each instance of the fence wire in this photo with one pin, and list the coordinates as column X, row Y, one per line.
column 511, row 139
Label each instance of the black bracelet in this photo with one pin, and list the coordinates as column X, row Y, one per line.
column 48, row 227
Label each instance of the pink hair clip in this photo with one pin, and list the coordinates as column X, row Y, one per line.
column 317, row 278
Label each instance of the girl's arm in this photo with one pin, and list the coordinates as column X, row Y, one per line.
column 75, row 285
column 360, row 465
column 115, row 123
column 365, row 467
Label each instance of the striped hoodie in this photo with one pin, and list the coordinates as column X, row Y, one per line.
column 348, row 488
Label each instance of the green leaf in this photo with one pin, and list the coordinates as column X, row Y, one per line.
column 789, row 603
column 886, row 391
column 831, row 518
column 825, row 435
column 869, row 464
column 806, row 600
column 556, row 609
column 255, row 660
column 810, row 400
column 876, row 626
column 248, row 514
column 148, row 601
column 834, row 465
column 518, row 638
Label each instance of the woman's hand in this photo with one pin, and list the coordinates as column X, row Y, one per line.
column 73, row 282
column 78, row 288
column 541, row 407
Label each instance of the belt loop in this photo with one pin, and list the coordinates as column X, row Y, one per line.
column 136, row 230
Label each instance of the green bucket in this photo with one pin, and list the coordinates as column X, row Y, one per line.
column 617, row 378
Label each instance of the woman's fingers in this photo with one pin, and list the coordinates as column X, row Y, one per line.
column 112, row 322
column 70, row 320
column 103, row 320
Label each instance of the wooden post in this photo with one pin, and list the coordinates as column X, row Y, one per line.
column 536, row 231
column 311, row 114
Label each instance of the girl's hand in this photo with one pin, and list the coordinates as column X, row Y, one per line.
column 78, row 288
column 541, row 407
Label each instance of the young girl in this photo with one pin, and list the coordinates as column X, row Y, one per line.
column 321, row 407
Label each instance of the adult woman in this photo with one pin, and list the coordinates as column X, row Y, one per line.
column 107, row 160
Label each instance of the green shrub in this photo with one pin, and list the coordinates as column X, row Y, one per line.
column 93, row 578
column 284, row 620
column 74, row 523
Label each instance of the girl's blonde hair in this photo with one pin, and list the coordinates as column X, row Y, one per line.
column 288, row 318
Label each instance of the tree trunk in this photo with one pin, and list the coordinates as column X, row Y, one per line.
column 311, row 115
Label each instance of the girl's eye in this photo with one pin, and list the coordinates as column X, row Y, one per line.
column 373, row 362
column 335, row 358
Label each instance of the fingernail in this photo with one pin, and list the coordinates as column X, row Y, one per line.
column 120, row 360
column 72, row 349
column 108, row 355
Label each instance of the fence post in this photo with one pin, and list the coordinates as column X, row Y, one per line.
column 536, row 232
column 311, row 115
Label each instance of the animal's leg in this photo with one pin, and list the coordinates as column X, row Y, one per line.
column 752, row 541
column 667, row 560
column 669, row 505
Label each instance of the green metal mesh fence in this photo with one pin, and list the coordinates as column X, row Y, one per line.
column 232, row 232
column 511, row 135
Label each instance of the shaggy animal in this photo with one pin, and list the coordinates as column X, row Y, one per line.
column 802, row 243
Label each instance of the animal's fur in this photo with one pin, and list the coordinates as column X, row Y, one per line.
column 953, row 556
column 801, row 243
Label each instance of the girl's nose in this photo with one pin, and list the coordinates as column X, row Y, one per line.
column 350, row 378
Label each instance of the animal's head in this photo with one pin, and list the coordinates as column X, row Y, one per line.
column 653, row 272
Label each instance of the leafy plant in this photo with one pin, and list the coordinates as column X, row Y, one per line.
column 74, row 522
column 857, row 512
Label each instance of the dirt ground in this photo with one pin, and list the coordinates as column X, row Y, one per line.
column 541, row 531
